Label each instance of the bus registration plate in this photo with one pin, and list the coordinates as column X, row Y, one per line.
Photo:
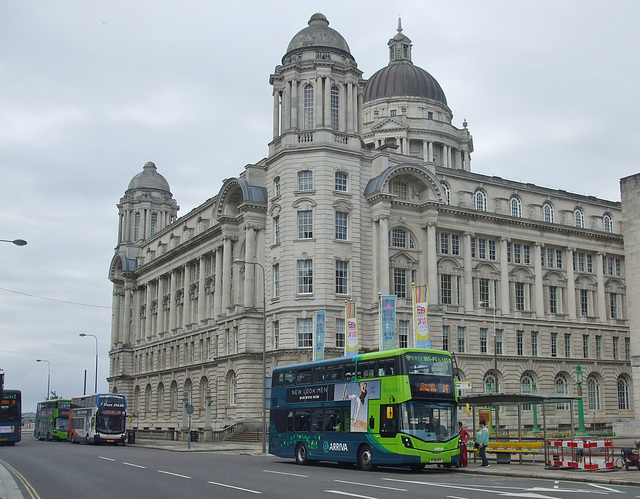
column 436, row 460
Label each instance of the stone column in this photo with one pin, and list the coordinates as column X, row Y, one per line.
column 276, row 113
column 430, row 152
column 571, row 285
column 186, row 297
column 425, row 151
column 172, row 301
column 202, row 297
column 602, row 304
column 217, row 287
column 136, row 316
column 538, row 248
column 115, row 315
column 148, row 326
column 249, row 270
column 432, row 262
column 294, row 104
column 127, row 315
column 327, row 102
column 383, row 264
column 318, row 103
column 226, row 274
column 350, row 126
column 504, row 278
column 469, row 306
column 161, row 327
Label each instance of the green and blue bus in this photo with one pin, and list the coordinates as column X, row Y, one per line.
column 99, row 418
column 52, row 419
column 392, row 408
column 10, row 417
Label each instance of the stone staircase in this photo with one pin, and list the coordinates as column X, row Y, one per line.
column 246, row 436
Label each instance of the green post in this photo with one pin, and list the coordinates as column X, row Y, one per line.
column 580, row 406
column 535, row 411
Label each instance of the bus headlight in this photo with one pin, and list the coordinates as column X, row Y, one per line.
column 407, row 442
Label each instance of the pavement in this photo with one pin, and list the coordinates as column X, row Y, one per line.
column 527, row 469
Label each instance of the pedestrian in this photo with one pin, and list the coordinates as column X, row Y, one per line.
column 482, row 439
column 464, row 438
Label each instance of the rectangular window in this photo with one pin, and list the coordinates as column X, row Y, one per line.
column 584, row 302
column 483, row 340
column 455, row 244
column 610, row 266
column 517, row 253
column 598, row 346
column 400, row 282
column 580, row 262
column 520, row 342
column 527, row 254
column 553, row 299
column 305, row 180
column 276, row 280
column 585, row 346
column 616, row 347
column 403, row 334
column 308, row 107
column 618, row 267
column 559, row 259
column 446, row 289
column 341, row 225
column 567, row 345
column 342, row 277
column 492, row 250
column 519, row 296
column 305, row 332
column 549, row 257
column 341, row 182
column 305, row 277
column 276, row 334
column 554, row 344
column 400, row 190
column 482, row 248
column 473, row 247
column 444, row 243
column 589, row 263
column 613, row 305
column 499, row 342
column 305, row 224
column 276, row 230
column 461, row 340
column 484, row 292
column 340, row 333
column 627, row 348
column 445, row 338
column 534, row 343
column 509, row 252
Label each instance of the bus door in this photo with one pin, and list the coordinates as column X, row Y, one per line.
column 388, row 420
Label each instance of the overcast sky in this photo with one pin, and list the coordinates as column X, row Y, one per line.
column 90, row 91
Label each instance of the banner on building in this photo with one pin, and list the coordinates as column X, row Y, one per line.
column 320, row 329
column 351, row 325
column 420, row 307
column 388, row 322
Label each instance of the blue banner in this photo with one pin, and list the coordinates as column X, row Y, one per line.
column 388, row 321
column 318, row 352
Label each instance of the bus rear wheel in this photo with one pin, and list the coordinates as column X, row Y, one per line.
column 301, row 454
column 365, row 459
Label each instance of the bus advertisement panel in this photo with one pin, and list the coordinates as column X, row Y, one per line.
column 396, row 407
column 99, row 418
column 52, row 419
column 10, row 417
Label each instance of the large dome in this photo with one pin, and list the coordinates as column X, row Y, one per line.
column 149, row 178
column 403, row 79
column 318, row 34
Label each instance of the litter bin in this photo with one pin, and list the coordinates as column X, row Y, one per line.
column 131, row 436
column 194, row 435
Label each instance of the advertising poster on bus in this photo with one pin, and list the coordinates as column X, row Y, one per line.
column 359, row 393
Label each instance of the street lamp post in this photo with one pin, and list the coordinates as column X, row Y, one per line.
column 580, row 406
column 264, row 350
column 95, row 338
column 48, row 376
column 17, row 242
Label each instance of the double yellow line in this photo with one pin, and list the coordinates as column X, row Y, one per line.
column 25, row 483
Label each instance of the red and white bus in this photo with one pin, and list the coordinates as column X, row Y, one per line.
column 99, row 418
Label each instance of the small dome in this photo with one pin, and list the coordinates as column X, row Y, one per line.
column 403, row 79
column 149, row 178
column 318, row 34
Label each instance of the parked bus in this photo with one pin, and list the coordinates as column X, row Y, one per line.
column 98, row 418
column 396, row 407
column 52, row 420
column 10, row 417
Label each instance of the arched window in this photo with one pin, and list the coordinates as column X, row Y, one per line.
column 136, row 399
column 447, row 192
column 276, row 187
column 136, row 226
column 160, row 398
column 526, row 386
column 562, row 388
column 578, row 216
column 491, row 384
column 593, row 393
column 154, row 223
column 174, row 396
column 188, row 391
column 623, row 393
column 335, row 108
column 308, row 107
column 147, row 395
column 515, row 206
column 204, row 391
column 233, row 389
column 607, row 222
column 480, row 200
column 547, row 210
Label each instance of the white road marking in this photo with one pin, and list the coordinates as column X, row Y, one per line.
column 134, row 465
column 236, row 488
column 283, row 473
column 370, row 485
column 606, row 488
column 106, row 458
column 173, row 474
column 340, row 493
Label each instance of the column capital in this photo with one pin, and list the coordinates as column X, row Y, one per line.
column 505, row 239
column 469, row 233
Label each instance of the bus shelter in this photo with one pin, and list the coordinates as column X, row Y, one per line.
column 519, row 399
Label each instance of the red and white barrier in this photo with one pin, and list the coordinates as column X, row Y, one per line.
column 580, row 454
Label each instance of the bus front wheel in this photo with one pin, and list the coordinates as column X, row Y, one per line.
column 365, row 460
column 301, row 454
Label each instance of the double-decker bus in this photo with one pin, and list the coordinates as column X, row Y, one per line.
column 396, row 407
column 52, row 419
column 98, row 418
column 10, row 417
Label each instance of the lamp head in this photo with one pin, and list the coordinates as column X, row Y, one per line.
column 82, row 334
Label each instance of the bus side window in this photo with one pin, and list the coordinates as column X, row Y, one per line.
column 349, row 370
column 290, row 421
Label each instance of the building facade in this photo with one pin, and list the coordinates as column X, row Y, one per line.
column 367, row 189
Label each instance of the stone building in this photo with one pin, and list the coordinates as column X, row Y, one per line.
column 367, row 188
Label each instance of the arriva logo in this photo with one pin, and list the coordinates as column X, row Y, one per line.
column 335, row 446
